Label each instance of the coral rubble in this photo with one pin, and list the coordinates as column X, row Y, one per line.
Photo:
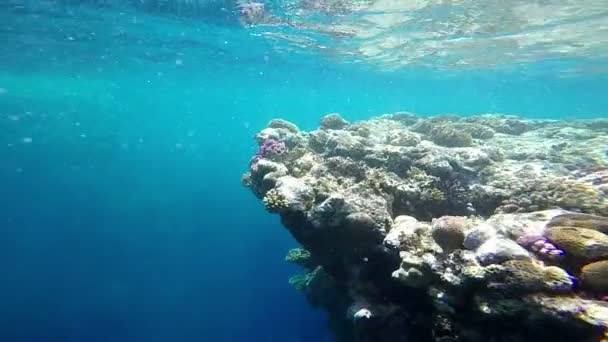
column 487, row 228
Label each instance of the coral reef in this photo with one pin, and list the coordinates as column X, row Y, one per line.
column 444, row 228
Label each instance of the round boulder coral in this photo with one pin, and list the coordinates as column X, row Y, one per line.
column 333, row 121
column 448, row 232
column 595, row 276
column 283, row 124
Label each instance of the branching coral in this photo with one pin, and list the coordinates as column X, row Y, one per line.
column 275, row 202
column 269, row 149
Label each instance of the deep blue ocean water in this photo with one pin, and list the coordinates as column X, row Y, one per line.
column 123, row 137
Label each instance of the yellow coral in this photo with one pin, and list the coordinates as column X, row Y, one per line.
column 529, row 275
column 580, row 243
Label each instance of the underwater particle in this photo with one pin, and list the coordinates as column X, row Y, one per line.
column 27, row 140
column 179, row 62
column 594, row 276
column 3, row 91
column 470, row 208
column 362, row 313
column 579, row 243
column 448, row 232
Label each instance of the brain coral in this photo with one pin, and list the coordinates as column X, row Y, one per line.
column 579, row 243
column 580, row 220
column 448, row 232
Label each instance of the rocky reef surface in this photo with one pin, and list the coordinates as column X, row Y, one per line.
column 485, row 228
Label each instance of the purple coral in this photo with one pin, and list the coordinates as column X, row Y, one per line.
column 270, row 147
column 545, row 248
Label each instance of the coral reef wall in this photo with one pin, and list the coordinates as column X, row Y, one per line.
column 486, row 228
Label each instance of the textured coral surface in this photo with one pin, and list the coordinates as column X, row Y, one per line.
column 486, row 228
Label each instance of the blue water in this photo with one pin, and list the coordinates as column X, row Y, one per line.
column 123, row 142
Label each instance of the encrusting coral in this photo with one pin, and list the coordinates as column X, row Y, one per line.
column 445, row 229
column 530, row 276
